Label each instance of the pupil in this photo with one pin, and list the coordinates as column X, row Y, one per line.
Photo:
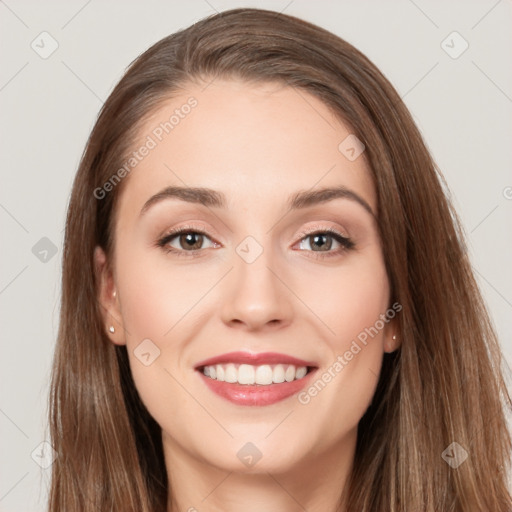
column 320, row 241
column 192, row 240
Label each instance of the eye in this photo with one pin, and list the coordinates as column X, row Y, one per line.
column 186, row 239
column 189, row 241
column 326, row 242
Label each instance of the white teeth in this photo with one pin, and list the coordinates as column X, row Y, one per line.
column 263, row 375
column 230, row 374
column 301, row 372
column 289, row 374
column 246, row 374
column 278, row 376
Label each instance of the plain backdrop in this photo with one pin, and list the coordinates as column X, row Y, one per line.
column 461, row 101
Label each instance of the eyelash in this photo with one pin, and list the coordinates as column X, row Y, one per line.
column 345, row 242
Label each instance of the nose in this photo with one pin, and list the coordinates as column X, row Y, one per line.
column 256, row 297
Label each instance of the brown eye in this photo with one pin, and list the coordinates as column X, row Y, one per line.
column 322, row 241
column 186, row 240
column 192, row 241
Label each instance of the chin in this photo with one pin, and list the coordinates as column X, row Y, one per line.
column 257, row 455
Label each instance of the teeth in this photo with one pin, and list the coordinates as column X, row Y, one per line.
column 278, row 376
column 246, row 374
column 290, row 373
column 263, row 375
column 301, row 372
column 230, row 374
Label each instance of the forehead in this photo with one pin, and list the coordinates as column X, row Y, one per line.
column 255, row 143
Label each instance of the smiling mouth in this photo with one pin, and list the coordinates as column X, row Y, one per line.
column 260, row 375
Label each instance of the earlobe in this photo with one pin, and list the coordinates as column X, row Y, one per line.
column 391, row 343
column 391, row 336
column 108, row 299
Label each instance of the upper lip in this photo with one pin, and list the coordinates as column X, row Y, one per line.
column 254, row 359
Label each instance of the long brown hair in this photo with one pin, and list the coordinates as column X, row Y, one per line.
column 443, row 385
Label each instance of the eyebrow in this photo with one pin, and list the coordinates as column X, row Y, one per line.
column 215, row 199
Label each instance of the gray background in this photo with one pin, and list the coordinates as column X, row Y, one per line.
column 462, row 105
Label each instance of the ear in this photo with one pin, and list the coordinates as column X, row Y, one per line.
column 392, row 339
column 108, row 298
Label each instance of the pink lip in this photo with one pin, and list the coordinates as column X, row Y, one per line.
column 255, row 394
column 254, row 359
column 245, row 394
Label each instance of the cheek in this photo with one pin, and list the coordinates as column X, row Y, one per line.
column 350, row 301
column 347, row 299
column 159, row 308
column 156, row 296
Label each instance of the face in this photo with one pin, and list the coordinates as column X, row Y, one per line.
column 256, row 281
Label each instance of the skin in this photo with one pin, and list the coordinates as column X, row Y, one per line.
column 257, row 144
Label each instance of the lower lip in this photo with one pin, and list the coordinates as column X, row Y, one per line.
column 245, row 394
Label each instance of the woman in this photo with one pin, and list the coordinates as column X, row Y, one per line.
column 267, row 302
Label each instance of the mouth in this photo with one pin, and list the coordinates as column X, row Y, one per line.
column 247, row 375
column 255, row 379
